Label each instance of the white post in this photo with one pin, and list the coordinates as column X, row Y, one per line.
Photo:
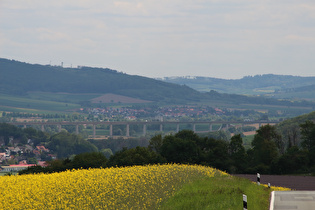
column 244, row 202
column 258, row 179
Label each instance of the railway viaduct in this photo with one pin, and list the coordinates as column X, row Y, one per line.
column 223, row 124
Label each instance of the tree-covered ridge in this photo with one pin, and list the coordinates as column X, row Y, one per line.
column 19, row 78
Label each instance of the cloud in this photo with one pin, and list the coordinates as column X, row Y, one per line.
column 161, row 37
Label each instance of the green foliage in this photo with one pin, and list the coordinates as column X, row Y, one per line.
column 7, row 131
column 178, row 150
column 89, row 160
column 264, row 145
column 215, row 153
column 83, row 160
column 66, row 144
column 308, row 136
column 135, row 156
column 156, row 143
column 293, row 161
column 116, row 145
column 238, row 154
column 107, row 152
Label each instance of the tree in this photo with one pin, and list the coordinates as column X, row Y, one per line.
column 89, row 160
column 294, row 160
column 66, row 144
column 308, row 139
column 238, row 154
column 307, row 132
column 107, row 152
column 215, row 153
column 156, row 143
column 265, row 149
column 135, row 156
column 181, row 147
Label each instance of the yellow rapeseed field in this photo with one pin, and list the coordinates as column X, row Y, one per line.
column 138, row 187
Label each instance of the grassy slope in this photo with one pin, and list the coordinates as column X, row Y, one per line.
column 219, row 193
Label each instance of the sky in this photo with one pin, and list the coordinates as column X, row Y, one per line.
column 226, row 39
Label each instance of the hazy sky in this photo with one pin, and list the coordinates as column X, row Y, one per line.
column 157, row 38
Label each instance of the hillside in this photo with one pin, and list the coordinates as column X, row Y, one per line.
column 276, row 86
column 35, row 88
column 17, row 78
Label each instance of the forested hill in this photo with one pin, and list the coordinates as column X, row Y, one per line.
column 17, row 78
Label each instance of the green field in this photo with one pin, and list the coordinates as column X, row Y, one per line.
column 26, row 104
column 62, row 97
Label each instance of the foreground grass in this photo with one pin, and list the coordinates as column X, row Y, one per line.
column 220, row 193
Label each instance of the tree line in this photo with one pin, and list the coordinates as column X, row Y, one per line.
column 268, row 154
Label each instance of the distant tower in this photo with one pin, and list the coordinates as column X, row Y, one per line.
column 62, row 64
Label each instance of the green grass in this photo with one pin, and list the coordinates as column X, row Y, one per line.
column 219, row 193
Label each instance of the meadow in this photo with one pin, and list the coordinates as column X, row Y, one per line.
column 137, row 187
column 29, row 105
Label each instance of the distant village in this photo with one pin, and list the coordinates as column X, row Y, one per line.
column 168, row 112
column 17, row 157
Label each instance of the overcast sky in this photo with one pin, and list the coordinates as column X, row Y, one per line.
column 157, row 38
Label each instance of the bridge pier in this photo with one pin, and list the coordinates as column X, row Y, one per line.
column 111, row 130
column 42, row 128
column 58, row 125
column 127, row 130
column 144, row 129
column 94, row 131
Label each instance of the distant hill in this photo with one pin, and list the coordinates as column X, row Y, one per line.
column 270, row 85
column 54, row 88
column 19, row 78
